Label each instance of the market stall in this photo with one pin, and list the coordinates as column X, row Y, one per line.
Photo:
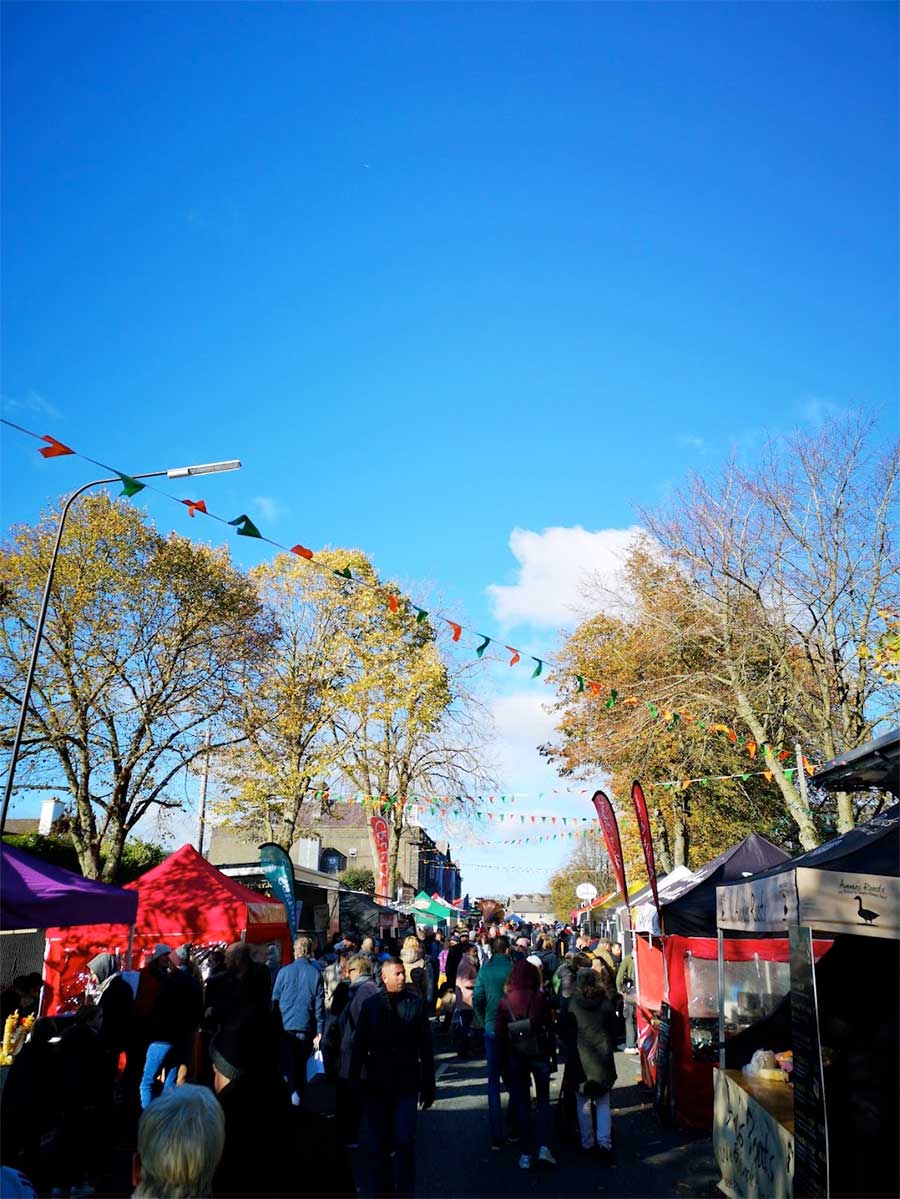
column 835, row 1029
column 676, row 1009
column 425, row 909
column 184, row 899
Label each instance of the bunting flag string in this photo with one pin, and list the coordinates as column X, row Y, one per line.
column 245, row 527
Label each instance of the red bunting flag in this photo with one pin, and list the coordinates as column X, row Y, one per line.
column 392, row 602
column 457, row 630
column 55, row 449
column 516, row 656
column 595, row 688
column 301, row 551
column 194, row 506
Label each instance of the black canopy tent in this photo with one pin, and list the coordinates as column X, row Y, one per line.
column 690, row 909
column 876, row 764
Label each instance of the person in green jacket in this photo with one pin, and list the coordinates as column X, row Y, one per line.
column 489, row 987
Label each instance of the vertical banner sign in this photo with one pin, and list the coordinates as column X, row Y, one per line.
column 810, row 1123
column 607, row 817
column 279, row 870
column 381, row 837
column 643, row 822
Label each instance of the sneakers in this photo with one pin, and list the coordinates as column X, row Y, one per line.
column 524, row 1162
column 545, row 1156
column 633, row 1050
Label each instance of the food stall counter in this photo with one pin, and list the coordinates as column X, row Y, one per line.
column 753, row 1135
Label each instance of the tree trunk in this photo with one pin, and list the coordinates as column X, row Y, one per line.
column 792, row 800
column 680, row 832
column 663, row 851
column 846, row 819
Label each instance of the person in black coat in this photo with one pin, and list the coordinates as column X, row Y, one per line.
column 393, row 1062
column 260, row 1132
column 592, row 1019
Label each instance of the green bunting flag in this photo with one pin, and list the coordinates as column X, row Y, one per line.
column 537, row 670
column 613, row 696
column 579, row 678
column 481, row 648
column 421, row 615
column 245, row 527
column 344, row 574
column 130, row 486
column 654, row 711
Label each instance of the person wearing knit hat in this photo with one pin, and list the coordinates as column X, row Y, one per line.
column 257, row 1107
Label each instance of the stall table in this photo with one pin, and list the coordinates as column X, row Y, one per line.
column 753, row 1135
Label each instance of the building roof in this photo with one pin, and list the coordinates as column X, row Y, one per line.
column 536, row 902
column 20, row 827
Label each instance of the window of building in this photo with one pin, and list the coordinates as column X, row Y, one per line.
column 332, row 861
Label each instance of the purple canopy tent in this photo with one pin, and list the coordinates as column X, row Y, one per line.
column 34, row 894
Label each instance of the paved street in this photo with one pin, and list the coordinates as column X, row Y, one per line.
column 651, row 1160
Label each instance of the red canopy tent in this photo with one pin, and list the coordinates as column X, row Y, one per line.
column 183, row 899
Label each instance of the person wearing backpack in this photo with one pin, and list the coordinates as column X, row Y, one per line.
column 524, row 1029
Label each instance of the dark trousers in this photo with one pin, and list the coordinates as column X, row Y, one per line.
column 390, row 1143
column 295, row 1050
column 494, row 1076
column 348, row 1112
column 533, row 1129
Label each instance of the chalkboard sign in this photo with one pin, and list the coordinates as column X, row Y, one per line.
column 810, row 1125
column 663, row 1096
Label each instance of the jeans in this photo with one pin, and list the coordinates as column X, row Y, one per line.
column 157, row 1052
column 390, row 1128
column 494, row 1073
column 603, row 1118
column 533, row 1131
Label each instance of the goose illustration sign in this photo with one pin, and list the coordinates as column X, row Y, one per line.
column 866, row 905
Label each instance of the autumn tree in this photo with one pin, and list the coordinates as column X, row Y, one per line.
column 653, row 657
column 147, row 641
column 407, row 722
column 795, row 561
column 748, row 624
column 287, row 754
column 587, row 863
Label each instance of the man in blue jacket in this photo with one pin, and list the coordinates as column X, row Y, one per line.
column 299, row 998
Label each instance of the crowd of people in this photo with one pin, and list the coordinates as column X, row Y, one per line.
column 197, row 1056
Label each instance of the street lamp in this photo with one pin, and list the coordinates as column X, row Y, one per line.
column 177, row 472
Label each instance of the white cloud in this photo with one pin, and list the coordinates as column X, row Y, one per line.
column 818, row 411
column 692, row 442
column 270, row 509
column 35, row 404
column 555, row 566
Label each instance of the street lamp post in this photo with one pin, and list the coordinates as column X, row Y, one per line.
column 179, row 472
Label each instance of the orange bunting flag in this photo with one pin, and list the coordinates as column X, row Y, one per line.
column 301, row 551
column 194, row 506
column 685, row 784
column 632, row 700
column 688, row 717
column 732, row 736
column 751, row 748
column 595, row 688
column 767, row 775
column 392, row 602
column 807, row 765
column 516, row 656
column 457, row 630
column 55, row 449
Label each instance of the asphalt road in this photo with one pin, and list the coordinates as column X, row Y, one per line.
column 455, row 1160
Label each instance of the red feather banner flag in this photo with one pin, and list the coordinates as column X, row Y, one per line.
column 643, row 822
column 608, row 823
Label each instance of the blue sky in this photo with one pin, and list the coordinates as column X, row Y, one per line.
column 438, row 273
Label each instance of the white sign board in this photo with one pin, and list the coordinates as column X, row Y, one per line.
column 586, row 891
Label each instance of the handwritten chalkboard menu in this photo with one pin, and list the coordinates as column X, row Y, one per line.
column 663, row 1096
column 810, row 1127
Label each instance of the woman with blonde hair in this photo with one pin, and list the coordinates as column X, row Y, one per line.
column 413, row 960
